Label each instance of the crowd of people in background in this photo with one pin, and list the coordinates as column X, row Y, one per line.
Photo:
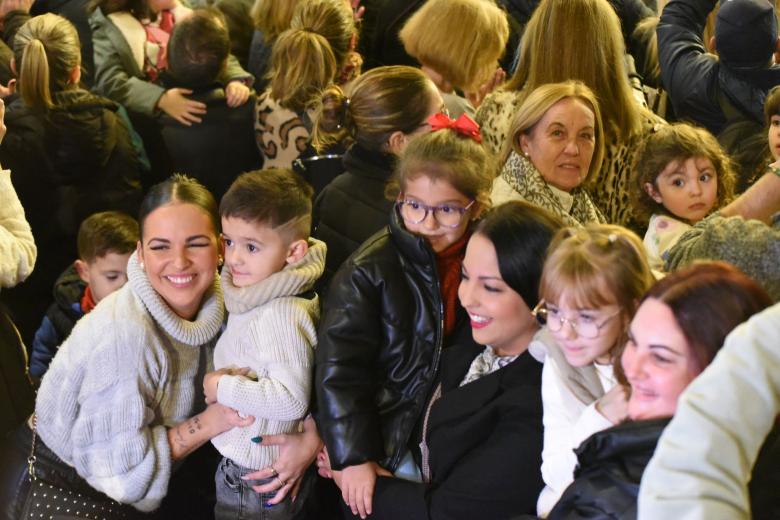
column 390, row 259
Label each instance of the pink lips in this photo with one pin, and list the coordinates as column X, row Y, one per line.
column 697, row 206
column 479, row 324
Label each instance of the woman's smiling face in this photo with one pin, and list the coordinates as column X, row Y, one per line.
column 658, row 362
column 179, row 250
column 499, row 315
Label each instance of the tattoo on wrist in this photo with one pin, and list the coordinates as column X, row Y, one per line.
column 193, row 425
column 180, row 439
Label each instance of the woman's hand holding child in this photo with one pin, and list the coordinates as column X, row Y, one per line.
column 184, row 110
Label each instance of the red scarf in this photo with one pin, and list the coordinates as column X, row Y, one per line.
column 449, row 263
column 87, row 302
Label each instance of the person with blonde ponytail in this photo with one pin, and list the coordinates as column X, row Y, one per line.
column 388, row 106
column 305, row 59
column 70, row 151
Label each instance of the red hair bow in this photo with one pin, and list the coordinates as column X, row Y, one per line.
column 464, row 125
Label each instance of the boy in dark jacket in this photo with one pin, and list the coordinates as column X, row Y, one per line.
column 220, row 147
column 105, row 242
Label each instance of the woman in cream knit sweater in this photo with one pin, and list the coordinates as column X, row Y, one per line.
column 119, row 405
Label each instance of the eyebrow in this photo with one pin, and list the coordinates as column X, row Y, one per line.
column 498, row 278
column 167, row 241
column 655, row 346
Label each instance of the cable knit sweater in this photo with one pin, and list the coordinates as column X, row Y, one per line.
column 272, row 331
column 130, row 369
column 17, row 247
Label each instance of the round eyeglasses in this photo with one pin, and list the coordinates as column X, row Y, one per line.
column 583, row 326
column 447, row 215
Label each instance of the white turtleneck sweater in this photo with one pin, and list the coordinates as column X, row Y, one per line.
column 272, row 331
column 130, row 370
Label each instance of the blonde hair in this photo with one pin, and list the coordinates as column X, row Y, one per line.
column 540, row 101
column 273, row 17
column 332, row 19
column 46, row 50
column 582, row 40
column 383, row 100
column 676, row 142
column 597, row 265
column 460, row 39
column 302, row 64
column 446, row 155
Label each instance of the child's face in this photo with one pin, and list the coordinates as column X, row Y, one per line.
column 253, row 250
column 577, row 327
column 688, row 188
column 774, row 137
column 105, row 274
column 436, row 193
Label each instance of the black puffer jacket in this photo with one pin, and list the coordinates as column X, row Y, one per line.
column 380, row 343
column 611, row 464
column 353, row 206
column 67, row 163
column 694, row 79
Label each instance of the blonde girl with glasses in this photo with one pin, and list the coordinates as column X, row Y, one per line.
column 592, row 282
column 392, row 308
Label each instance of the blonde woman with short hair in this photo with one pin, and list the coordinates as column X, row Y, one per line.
column 458, row 44
column 557, row 145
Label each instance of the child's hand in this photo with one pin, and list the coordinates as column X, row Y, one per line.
column 614, row 404
column 184, row 110
column 357, row 486
column 211, row 381
column 236, row 93
column 222, row 418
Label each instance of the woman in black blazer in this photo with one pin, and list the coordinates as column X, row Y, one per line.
column 481, row 434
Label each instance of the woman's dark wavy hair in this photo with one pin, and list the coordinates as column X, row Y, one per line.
column 521, row 234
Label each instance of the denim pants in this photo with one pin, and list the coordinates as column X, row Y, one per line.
column 236, row 500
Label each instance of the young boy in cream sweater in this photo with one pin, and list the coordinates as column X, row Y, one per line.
column 271, row 266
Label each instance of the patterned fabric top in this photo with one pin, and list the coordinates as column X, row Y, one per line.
column 486, row 363
column 521, row 180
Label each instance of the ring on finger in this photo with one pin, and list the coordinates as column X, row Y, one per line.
column 275, row 473
column 281, row 482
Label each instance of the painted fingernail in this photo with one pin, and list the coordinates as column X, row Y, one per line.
column 268, row 505
column 257, row 439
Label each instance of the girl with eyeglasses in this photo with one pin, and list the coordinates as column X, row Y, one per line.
column 591, row 285
column 392, row 308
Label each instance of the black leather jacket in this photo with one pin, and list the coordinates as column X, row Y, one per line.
column 380, row 343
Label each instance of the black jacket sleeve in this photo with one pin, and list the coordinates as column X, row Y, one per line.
column 349, row 342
